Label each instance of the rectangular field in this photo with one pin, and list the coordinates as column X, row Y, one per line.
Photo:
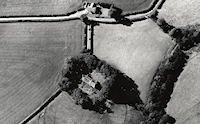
column 37, row 7
column 137, row 50
column 31, row 57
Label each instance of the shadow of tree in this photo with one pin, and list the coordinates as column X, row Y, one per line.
column 124, row 91
column 124, row 21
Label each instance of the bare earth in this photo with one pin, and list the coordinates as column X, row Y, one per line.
column 32, row 55
column 137, row 50
column 181, row 12
column 37, row 7
column 185, row 100
column 63, row 111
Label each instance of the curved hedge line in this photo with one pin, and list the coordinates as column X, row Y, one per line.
column 168, row 72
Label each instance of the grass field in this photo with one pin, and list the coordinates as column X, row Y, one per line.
column 136, row 50
column 181, row 12
column 127, row 5
column 32, row 55
column 185, row 100
column 63, row 111
column 37, row 7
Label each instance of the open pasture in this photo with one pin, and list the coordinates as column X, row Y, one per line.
column 136, row 51
column 31, row 58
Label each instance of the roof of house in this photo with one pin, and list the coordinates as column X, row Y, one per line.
column 88, row 80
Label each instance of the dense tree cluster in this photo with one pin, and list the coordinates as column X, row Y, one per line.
column 117, row 87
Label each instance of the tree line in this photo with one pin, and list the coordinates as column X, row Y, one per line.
column 168, row 72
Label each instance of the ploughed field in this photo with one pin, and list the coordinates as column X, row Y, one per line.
column 184, row 105
column 128, row 6
column 32, row 55
column 136, row 51
column 37, row 7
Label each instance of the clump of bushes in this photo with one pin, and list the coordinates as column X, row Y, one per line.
column 117, row 86
column 84, row 19
column 187, row 37
column 164, row 25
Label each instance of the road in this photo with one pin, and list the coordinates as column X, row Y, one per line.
column 52, row 18
column 77, row 16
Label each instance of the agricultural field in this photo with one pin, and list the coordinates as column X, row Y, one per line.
column 37, row 7
column 136, row 51
column 127, row 6
column 184, row 104
column 63, row 111
column 32, row 55
column 181, row 12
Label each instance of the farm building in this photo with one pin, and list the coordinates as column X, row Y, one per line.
column 88, row 85
column 88, row 80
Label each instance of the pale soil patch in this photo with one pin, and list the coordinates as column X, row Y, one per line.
column 32, row 55
column 181, row 12
column 136, row 51
column 63, row 111
column 37, row 7
column 127, row 5
column 185, row 100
